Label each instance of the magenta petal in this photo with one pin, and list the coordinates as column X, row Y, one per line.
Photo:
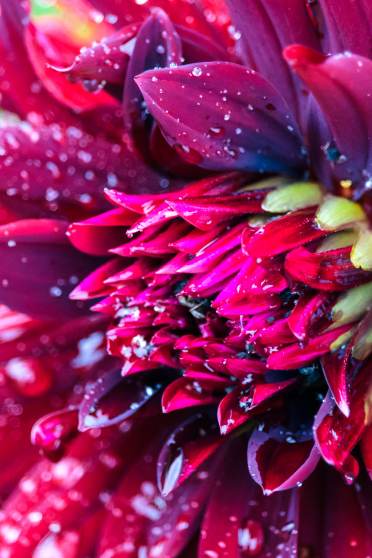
column 73, row 95
column 21, row 91
column 366, row 449
column 97, row 235
column 36, row 253
column 49, row 432
column 205, row 214
column 57, row 165
column 240, row 132
column 242, row 522
column 277, row 461
column 341, row 506
column 281, row 24
column 302, row 316
column 341, row 84
column 241, row 404
column 297, row 355
column 184, row 392
column 94, row 285
column 342, row 18
column 104, row 61
column 199, row 47
column 282, row 234
column 87, row 469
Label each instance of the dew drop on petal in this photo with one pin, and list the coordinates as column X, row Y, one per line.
column 251, row 538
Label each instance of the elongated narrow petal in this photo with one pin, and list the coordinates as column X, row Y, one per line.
column 281, row 24
column 342, row 18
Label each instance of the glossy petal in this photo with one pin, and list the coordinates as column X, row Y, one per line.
column 228, row 130
column 147, row 520
column 278, row 461
column 281, row 25
column 241, row 522
column 297, row 355
column 111, row 399
column 341, row 85
column 186, row 450
column 282, row 234
column 325, row 271
column 337, row 435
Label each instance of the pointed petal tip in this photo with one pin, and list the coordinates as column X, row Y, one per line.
column 297, row 55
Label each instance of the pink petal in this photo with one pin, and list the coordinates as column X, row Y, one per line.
column 341, row 21
column 282, row 234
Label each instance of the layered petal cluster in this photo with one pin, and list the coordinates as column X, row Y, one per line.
column 199, row 173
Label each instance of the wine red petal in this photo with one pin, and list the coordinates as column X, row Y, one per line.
column 278, row 461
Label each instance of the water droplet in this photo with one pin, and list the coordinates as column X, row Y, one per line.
column 197, row 72
column 251, row 538
column 216, row 131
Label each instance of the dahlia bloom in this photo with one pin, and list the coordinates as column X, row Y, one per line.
column 201, row 172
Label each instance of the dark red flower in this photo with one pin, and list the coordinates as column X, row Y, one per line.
column 213, row 177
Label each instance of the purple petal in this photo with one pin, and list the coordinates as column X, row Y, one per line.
column 157, row 45
column 39, row 267
column 342, row 86
column 280, row 24
column 348, row 26
column 246, row 126
column 103, row 62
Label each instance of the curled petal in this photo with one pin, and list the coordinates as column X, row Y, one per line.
column 112, row 399
column 277, row 461
column 341, row 85
column 335, row 434
column 185, row 451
